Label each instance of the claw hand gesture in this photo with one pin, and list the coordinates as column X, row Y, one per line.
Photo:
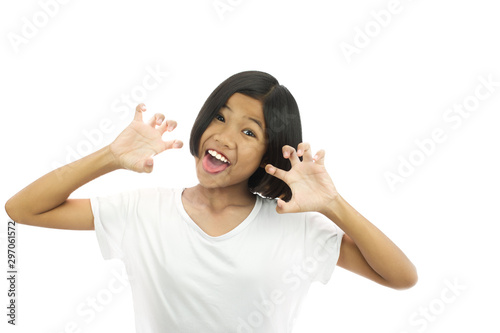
column 312, row 188
column 135, row 147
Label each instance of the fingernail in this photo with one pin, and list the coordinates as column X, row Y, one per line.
column 158, row 121
column 299, row 152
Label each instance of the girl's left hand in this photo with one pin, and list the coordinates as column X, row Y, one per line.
column 311, row 185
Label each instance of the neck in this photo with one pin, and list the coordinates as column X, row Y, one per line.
column 217, row 199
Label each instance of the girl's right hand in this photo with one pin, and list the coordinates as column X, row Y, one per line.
column 135, row 147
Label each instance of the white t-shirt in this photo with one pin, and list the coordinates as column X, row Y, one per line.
column 251, row 279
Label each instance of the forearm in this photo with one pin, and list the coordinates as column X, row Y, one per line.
column 52, row 189
column 381, row 254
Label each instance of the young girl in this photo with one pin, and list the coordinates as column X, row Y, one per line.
column 224, row 255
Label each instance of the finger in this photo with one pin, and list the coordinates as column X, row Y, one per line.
column 167, row 125
column 276, row 172
column 320, row 157
column 160, row 147
column 138, row 111
column 148, row 165
column 290, row 153
column 156, row 120
column 283, row 207
column 304, row 150
column 170, row 125
column 173, row 144
column 280, row 206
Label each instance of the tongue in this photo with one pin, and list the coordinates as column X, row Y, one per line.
column 213, row 165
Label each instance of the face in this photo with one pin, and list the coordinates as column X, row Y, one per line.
column 233, row 145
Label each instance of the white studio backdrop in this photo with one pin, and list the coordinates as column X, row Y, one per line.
column 403, row 95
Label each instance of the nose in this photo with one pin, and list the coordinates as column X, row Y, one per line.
column 225, row 138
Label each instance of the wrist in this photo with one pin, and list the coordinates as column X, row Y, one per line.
column 109, row 160
column 332, row 205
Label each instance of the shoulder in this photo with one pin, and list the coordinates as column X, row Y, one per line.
column 269, row 213
column 139, row 195
column 307, row 220
column 158, row 195
column 268, row 206
column 153, row 192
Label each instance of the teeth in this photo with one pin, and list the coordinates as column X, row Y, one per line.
column 217, row 156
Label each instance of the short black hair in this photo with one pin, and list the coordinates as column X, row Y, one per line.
column 283, row 126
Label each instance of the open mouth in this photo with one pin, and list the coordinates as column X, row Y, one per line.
column 215, row 162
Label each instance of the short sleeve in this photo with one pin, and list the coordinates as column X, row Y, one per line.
column 322, row 248
column 110, row 221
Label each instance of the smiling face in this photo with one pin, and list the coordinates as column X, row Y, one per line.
column 233, row 145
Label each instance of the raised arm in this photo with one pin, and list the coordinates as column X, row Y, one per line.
column 45, row 202
column 365, row 249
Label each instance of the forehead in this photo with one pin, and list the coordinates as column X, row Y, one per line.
column 247, row 106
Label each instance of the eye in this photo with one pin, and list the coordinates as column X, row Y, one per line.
column 249, row 133
column 219, row 117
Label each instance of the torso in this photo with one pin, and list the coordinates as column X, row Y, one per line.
column 217, row 224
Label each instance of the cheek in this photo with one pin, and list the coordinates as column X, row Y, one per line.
column 203, row 138
column 255, row 154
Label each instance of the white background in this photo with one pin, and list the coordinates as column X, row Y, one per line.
column 366, row 110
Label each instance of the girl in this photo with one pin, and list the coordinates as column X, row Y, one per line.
column 224, row 255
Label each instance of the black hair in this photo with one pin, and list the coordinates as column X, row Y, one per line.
column 282, row 118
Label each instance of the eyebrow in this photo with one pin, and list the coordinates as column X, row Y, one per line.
column 252, row 119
